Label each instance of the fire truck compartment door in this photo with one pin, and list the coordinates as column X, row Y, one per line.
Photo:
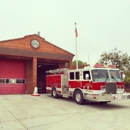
column 64, row 84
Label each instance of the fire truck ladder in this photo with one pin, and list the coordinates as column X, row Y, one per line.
column 63, row 70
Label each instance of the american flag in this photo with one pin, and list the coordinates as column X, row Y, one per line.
column 76, row 32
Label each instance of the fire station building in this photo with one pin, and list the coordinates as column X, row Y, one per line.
column 24, row 62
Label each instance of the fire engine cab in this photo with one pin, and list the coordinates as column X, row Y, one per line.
column 91, row 83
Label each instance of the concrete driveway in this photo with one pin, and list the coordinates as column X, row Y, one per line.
column 26, row 112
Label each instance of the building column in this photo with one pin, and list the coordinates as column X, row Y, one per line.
column 70, row 64
column 34, row 74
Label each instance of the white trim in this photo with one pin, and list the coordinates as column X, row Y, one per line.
column 58, row 89
column 71, row 89
column 48, row 88
column 87, row 91
column 96, row 91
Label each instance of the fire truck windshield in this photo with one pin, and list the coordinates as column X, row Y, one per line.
column 115, row 75
column 100, row 75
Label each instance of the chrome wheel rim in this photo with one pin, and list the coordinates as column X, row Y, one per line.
column 54, row 92
column 78, row 97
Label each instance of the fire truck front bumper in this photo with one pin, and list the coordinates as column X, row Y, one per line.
column 108, row 98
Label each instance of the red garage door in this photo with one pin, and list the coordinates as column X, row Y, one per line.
column 12, row 76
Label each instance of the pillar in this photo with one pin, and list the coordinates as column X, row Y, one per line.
column 70, row 64
column 34, row 74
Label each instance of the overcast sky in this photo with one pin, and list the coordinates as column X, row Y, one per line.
column 102, row 24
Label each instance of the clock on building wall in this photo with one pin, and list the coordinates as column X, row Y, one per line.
column 35, row 44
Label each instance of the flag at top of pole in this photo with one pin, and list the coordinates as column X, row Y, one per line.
column 76, row 32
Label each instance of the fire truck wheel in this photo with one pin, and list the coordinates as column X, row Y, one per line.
column 79, row 97
column 54, row 93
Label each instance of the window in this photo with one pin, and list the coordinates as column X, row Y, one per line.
column 115, row 75
column 71, row 75
column 15, row 81
column 22, row 81
column 100, row 75
column 7, row 80
column 84, row 74
column 12, row 81
column 77, row 75
column 2, row 81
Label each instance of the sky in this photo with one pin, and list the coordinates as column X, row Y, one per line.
column 102, row 25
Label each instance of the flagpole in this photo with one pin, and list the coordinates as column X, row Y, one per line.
column 88, row 55
column 76, row 34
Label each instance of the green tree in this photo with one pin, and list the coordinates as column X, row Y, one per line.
column 74, row 63
column 127, row 77
column 119, row 59
column 79, row 63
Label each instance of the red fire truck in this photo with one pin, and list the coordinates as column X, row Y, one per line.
column 91, row 83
